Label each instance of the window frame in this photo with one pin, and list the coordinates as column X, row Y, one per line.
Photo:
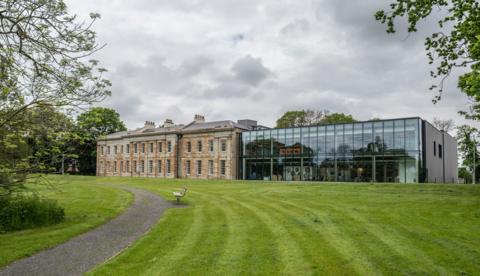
column 211, row 145
column 210, row 167
column 223, row 167
column 188, row 167
column 199, row 167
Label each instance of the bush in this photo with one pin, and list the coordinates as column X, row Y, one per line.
column 22, row 212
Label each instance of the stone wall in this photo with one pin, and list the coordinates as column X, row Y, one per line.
column 150, row 157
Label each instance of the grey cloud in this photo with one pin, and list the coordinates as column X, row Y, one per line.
column 257, row 59
column 250, row 70
column 296, row 27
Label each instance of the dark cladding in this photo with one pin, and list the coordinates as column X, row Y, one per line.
column 379, row 151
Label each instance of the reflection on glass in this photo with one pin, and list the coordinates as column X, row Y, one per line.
column 381, row 151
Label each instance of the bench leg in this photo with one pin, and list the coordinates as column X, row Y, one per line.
column 178, row 200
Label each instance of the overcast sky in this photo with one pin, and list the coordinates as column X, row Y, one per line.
column 257, row 59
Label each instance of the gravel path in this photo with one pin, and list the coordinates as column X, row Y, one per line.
column 84, row 252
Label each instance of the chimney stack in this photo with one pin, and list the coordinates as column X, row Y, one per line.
column 149, row 124
column 168, row 123
column 199, row 118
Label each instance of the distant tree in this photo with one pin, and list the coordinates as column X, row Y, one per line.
column 467, row 147
column 455, row 44
column 443, row 125
column 51, row 139
column 465, row 175
column 309, row 117
column 334, row 118
column 91, row 125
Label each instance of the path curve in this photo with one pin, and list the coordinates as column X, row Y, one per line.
column 84, row 252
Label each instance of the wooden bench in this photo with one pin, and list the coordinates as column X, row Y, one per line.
column 180, row 194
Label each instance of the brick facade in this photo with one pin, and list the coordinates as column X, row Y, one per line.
column 202, row 150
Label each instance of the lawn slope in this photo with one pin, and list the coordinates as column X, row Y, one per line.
column 235, row 227
column 86, row 204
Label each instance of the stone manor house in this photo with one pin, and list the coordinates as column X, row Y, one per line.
column 197, row 150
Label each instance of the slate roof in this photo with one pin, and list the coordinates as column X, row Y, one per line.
column 192, row 127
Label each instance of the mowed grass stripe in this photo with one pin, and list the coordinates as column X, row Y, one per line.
column 322, row 257
column 397, row 240
column 290, row 256
column 341, row 235
column 153, row 247
column 210, row 243
column 247, row 251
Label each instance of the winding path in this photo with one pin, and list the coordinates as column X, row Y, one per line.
column 82, row 253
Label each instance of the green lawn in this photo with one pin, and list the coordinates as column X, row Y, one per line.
column 86, row 204
column 234, row 227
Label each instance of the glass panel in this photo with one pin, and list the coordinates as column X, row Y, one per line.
column 344, row 169
column 327, row 169
column 389, row 169
column 297, row 142
column 267, row 143
column 368, row 137
column 388, row 137
column 277, row 169
column 330, row 140
column 292, row 169
column 412, row 162
column 339, row 146
column 257, row 169
column 358, row 138
column 281, row 142
column 348, row 139
column 308, row 169
column 306, row 142
column 362, row 169
column 378, row 137
column 259, row 144
column 311, row 146
column 399, row 136
column 321, row 143
column 411, row 135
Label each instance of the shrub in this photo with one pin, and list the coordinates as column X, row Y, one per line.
column 22, row 212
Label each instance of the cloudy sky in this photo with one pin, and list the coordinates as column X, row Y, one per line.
column 257, row 59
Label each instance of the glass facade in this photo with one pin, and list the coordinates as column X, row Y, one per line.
column 378, row 151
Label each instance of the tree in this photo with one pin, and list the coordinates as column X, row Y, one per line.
column 43, row 62
column 443, row 125
column 91, row 125
column 309, row 117
column 456, row 43
column 336, row 118
column 467, row 147
column 51, row 139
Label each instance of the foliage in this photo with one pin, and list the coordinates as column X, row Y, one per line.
column 43, row 62
column 91, row 125
column 336, row 118
column 467, row 147
column 309, row 117
column 20, row 212
column 443, row 125
column 455, row 45
column 465, row 174
column 87, row 205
